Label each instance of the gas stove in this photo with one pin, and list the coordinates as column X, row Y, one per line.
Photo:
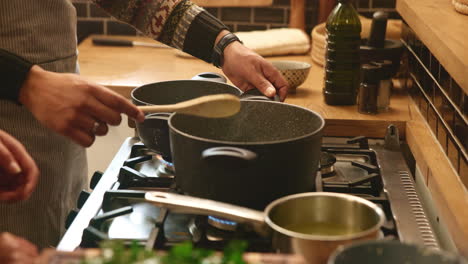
column 116, row 209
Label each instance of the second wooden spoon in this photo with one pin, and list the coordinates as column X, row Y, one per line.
column 214, row 106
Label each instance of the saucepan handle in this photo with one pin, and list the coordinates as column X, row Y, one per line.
column 232, row 152
column 210, row 76
column 193, row 205
column 159, row 116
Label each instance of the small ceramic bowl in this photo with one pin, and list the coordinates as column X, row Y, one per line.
column 295, row 72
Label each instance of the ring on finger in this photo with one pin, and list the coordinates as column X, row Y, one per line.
column 95, row 127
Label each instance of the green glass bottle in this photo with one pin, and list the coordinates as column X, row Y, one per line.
column 342, row 65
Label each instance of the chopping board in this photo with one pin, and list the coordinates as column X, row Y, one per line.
column 52, row 256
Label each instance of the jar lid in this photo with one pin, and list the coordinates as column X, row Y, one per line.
column 371, row 73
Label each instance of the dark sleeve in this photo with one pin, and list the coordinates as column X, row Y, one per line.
column 201, row 36
column 13, row 72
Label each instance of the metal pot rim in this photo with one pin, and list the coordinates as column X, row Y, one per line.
column 318, row 130
column 132, row 94
column 289, row 233
column 382, row 243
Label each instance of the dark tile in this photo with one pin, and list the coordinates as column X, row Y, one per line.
column 238, row 14
column 432, row 119
column 118, row 28
column 313, row 3
column 284, row 2
column 310, row 18
column 438, row 97
column 96, row 11
column 87, row 27
column 442, row 135
column 453, row 153
column 270, row 15
column 383, row 3
column 460, row 129
column 81, row 9
column 418, row 46
column 447, row 112
column 250, row 27
column 444, row 79
column 362, row 3
column 423, row 105
column 427, row 84
column 456, row 94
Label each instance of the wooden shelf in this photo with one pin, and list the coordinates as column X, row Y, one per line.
column 443, row 31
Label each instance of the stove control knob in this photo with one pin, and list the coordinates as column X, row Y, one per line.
column 84, row 195
column 70, row 217
column 95, row 179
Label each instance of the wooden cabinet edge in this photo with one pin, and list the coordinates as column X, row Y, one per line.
column 446, row 188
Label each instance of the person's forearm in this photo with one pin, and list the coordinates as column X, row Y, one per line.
column 13, row 73
column 177, row 23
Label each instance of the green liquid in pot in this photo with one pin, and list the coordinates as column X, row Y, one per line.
column 322, row 229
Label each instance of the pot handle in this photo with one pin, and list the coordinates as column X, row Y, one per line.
column 210, row 76
column 161, row 116
column 232, row 152
column 193, row 205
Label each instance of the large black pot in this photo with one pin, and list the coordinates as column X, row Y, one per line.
column 266, row 151
column 154, row 132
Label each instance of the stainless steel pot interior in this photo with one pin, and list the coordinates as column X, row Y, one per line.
column 328, row 216
column 257, row 122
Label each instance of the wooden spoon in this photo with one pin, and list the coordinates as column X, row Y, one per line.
column 218, row 105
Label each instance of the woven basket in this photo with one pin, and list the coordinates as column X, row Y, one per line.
column 461, row 6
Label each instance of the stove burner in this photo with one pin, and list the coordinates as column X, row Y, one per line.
column 326, row 164
column 166, row 168
column 222, row 224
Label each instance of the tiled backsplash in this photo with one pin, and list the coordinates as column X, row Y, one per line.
column 92, row 20
column 441, row 100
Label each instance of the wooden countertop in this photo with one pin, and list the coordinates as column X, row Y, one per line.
column 124, row 68
column 443, row 31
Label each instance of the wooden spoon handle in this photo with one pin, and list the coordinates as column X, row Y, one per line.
column 157, row 108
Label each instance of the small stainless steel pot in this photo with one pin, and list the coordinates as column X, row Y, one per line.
column 356, row 218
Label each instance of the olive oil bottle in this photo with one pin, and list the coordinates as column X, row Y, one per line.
column 342, row 65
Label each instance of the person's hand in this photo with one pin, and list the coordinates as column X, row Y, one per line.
column 72, row 106
column 18, row 171
column 248, row 70
column 16, row 250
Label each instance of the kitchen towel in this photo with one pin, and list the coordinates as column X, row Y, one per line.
column 275, row 42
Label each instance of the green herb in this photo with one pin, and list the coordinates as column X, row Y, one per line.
column 115, row 252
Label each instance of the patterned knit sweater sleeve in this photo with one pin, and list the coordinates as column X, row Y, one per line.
column 177, row 23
